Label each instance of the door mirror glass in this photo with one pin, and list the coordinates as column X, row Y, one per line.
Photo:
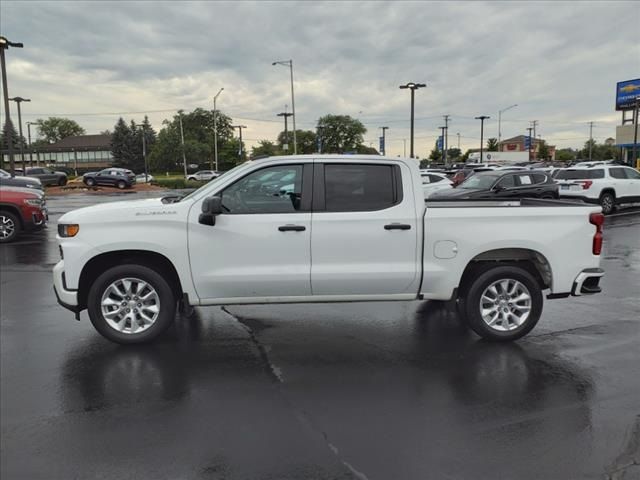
column 211, row 207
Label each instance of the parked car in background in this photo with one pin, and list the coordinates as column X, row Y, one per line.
column 608, row 185
column 115, row 177
column 21, row 210
column 203, row 175
column 434, row 182
column 18, row 181
column 503, row 185
column 142, row 178
column 46, row 176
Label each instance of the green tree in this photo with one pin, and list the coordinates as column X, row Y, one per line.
column 599, row 151
column 54, row 129
column 306, row 139
column 265, row 148
column 492, row 144
column 198, row 127
column 453, row 154
column 543, row 151
column 340, row 133
column 565, row 155
column 365, row 150
column 436, row 155
column 16, row 139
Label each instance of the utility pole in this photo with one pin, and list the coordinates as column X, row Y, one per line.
column 239, row 127
column 444, row 151
column 404, row 147
column 534, row 124
column 293, row 104
column 29, row 138
column 458, row 134
column 530, row 128
column 184, row 156
column 446, row 137
column 590, row 139
column 215, row 131
column 4, row 45
column 482, row 118
column 285, row 145
column 384, row 141
column 19, row 100
column 413, row 87
column 500, row 112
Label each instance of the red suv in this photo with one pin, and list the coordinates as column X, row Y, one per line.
column 20, row 210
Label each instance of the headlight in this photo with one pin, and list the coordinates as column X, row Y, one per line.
column 36, row 202
column 68, row 230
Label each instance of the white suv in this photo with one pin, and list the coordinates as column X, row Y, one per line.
column 203, row 175
column 606, row 185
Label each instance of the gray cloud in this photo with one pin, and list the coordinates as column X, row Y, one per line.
column 558, row 61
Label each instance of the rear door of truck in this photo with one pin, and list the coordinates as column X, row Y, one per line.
column 365, row 230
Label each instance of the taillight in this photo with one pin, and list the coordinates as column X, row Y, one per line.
column 597, row 219
column 586, row 184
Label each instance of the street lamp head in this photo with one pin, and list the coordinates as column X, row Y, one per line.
column 413, row 86
column 20, row 99
column 482, row 117
column 4, row 43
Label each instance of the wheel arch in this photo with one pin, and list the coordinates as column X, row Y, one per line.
column 14, row 210
column 528, row 259
column 98, row 264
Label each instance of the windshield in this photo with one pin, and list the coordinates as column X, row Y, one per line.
column 480, row 181
column 216, row 180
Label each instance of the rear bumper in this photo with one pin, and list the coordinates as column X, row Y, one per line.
column 67, row 298
column 587, row 282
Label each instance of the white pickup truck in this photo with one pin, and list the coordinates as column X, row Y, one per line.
column 323, row 228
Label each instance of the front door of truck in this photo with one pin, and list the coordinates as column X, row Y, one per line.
column 260, row 245
column 365, row 234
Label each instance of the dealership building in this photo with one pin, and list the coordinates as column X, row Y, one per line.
column 80, row 152
column 519, row 144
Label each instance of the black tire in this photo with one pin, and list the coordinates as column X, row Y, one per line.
column 121, row 185
column 9, row 227
column 62, row 181
column 90, row 182
column 608, row 202
column 548, row 196
column 472, row 307
column 167, row 300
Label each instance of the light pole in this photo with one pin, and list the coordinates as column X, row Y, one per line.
column 29, row 138
column 19, row 100
column 500, row 112
column 482, row 118
column 384, row 141
column 4, row 45
column 446, row 137
column 144, row 149
column 289, row 63
column 239, row 127
column 215, row 129
column 530, row 142
column 458, row 134
column 635, row 134
column 413, row 87
column 184, row 156
column 444, row 147
column 285, row 114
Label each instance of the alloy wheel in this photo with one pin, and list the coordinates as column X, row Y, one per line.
column 7, row 227
column 130, row 305
column 505, row 304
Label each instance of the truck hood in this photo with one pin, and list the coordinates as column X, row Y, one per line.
column 131, row 210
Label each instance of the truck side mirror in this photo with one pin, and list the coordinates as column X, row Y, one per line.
column 211, row 207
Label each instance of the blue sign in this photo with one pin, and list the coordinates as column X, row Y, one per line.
column 440, row 143
column 626, row 94
column 527, row 143
column 381, row 146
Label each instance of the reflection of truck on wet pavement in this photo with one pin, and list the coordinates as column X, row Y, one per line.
column 332, row 229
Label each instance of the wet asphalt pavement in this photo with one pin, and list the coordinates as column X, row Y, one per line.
column 342, row 391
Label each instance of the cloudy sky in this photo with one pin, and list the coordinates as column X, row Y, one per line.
column 92, row 61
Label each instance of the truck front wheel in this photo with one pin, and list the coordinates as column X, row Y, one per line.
column 503, row 303
column 131, row 304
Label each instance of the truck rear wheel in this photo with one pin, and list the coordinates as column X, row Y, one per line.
column 131, row 304
column 503, row 303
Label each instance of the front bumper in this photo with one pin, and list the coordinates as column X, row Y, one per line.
column 587, row 282
column 67, row 298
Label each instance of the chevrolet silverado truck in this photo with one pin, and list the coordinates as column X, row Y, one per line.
column 323, row 228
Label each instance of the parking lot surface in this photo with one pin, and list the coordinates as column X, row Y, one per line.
column 338, row 391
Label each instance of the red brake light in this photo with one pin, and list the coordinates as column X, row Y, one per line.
column 597, row 219
column 586, row 184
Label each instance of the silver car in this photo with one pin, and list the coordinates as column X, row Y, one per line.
column 203, row 175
